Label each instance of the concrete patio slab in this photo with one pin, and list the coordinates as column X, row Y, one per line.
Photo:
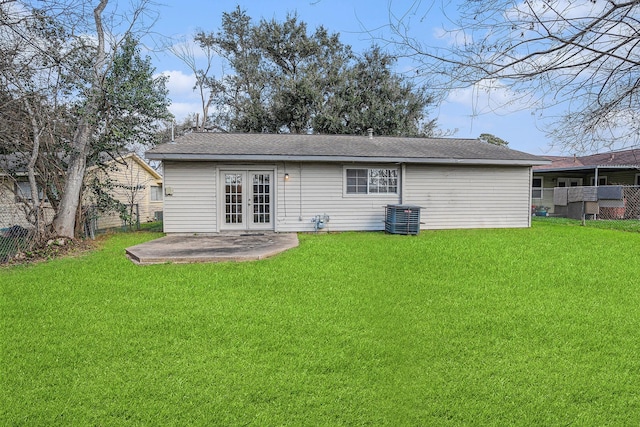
column 212, row 248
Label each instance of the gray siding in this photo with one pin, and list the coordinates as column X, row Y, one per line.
column 451, row 196
column 317, row 189
column 469, row 197
column 192, row 206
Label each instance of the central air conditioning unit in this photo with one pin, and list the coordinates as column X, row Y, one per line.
column 402, row 219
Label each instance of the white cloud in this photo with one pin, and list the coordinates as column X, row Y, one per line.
column 453, row 37
column 180, row 84
column 490, row 96
column 184, row 99
column 181, row 110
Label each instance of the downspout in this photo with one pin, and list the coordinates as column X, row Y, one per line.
column 531, row 196
column 300, row 192
column 403, row 169
column 596, row 184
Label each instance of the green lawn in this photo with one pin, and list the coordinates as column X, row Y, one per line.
column 535, row 326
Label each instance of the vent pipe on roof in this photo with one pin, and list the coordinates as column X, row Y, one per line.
column 370, row 132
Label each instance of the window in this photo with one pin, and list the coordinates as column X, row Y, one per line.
column 602, row 180
column 23, row 191
column 357, row 181
column 156, row 193
column 569, row 182
column 536, row 188
column 638, row 179
column 371, row 181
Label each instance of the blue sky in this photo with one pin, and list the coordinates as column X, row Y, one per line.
column 469, row 111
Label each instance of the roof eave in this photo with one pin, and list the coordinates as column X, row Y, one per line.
column 348, row 159
column 586, row 168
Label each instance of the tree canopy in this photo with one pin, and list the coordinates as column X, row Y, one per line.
column 285, row 78
column 492, row 139
column 581, row 57
column 73, row 88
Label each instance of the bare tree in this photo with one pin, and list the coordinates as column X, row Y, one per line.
column 29, row 82
column 83, row 61
column 580, row 56
column 207, row 86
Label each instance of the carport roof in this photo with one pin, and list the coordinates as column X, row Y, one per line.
column 296, row 147
column 621, row 159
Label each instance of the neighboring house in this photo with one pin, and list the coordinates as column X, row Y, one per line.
column 135, row 184
column 611, row 168
column 12, row 210
column 285, row 182
column 13, row 190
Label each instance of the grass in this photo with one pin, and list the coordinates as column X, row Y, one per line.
column 620, row 225
column 532, row 326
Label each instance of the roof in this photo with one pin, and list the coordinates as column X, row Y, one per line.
column 120, row 159
column 16, row 163
column 344, row 148
column 623, row 159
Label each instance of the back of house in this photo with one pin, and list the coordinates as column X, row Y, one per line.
column 216, row 182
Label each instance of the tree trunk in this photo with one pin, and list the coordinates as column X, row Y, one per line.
column 65, row 220
column 36, row 203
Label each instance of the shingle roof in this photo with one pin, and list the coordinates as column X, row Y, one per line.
column 13, row 163
column 617, row 158
column 295, row 147
column 614, row 159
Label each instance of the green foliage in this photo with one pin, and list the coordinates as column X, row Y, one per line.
column 462, row 327
column 370, row 95
column 492, row 139
column 288, row 79
column 67, row 97
column 134, row 102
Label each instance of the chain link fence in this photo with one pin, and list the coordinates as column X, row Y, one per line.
column 18, row 237
column 626, row 208
column 612, row 202
column 127, row 219
column 14, row 240
column 17, row 233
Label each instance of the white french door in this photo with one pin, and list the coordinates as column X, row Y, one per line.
column 247, row 200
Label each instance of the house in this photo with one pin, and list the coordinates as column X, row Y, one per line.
column 11, row 210
column 13, row 190
column 217, row 182
column 611, row 168
column 134, row 183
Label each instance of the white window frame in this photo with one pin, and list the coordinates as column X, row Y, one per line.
column 156, row 193
column 534, row 189
column 390, row 187
column 600, row 178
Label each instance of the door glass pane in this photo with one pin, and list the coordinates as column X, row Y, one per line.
column 233, row 198
column 261, row 193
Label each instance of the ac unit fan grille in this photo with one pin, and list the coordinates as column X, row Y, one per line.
column 402, row 219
